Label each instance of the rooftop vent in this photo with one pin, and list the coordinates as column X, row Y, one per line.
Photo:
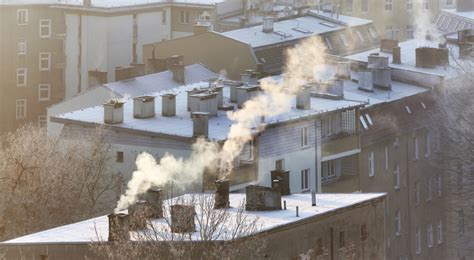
column 200, row 124
column 168, row 104
column 113, row 111
column 222, row 194
column 303, row 98
column 259, row 198
column 123, row 73
column 139, row 212
column 178, row 72
column 245, row 93
column 233, row 85
column 382, row 78
column 144, row 107
column 387, row 45
column 203, row 102
column 118, row 227
column 283, row 178
column 343, row 70
column 182, row 218
column 268, row 24
column 192, row 92
column 376, row 61
column 249, row 77
column 154, row 198
column 365, row 81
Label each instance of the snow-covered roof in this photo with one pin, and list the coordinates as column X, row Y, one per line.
column 408, row 58
column 291, row 29
column 85, row 231
column 182, row 125
column 466, row 14
column 145, row 85
column 108, row 3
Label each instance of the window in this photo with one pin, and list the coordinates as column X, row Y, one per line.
column 328, row 170
column 396, row 176
column 429, row 192
column 363, row 232
column 427, row 144
column 386, row 158
column 304, row 137
column 331, row 124
column 328, row 43
column 280, row 164
column 45, row 28
column 388, row 5
column 305, row 179
column 342, row 239
column 439, row 231
column 365, row 6
column 398, row 223
column 184, row 17
column 440, row 185
column 418, row 241
column 449, row 2
column 119, row 157
column 21, row 75
column 349, row 6
column 423, row 105
column 371, row 164
column 364, row 124
column 369, row 119
column 42, row 121
column 415, row 144
column 21, row 47
column 319, row 247
column 410, row 32
column 373, row 33
column 417, row 192
column 461, row 221
column 426, row 4
column 343, row 39
column 359, row 36
column 22, row 16
column 429, row 235
column 409, row 5
column 44, row 92
column 389, row 32
column 20, row 108
column 407, row 108
column 163, row 17
column 45, row 61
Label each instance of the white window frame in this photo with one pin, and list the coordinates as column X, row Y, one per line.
column 18, row 15
column 42, row 121
column 373, row 33
column 46, row 25
column 21, row 72
column 417, row 192
column 22, row 47
column 343, row 38
column 398, row 223
column 351, row 5
column 407, row 108
column 304, row 137
column 418, row 240
column 396, row 177
column 409, row 5
column 328, row 170
column 362, row 121
column 184, row 17
column 426, row 5
column 416, row 148
column 439, row 231
column 369, row 119
column 282, row 164
column 427, row 144
column 440, row 185
column 20, row 108
column 386, row 157
column 429, row 235
column 371, row 164
column 42, row 88
column 410, row 34
column 429, row 193
column 328, row 43
column 388, row 5
column 305, row 179
column 47, row 59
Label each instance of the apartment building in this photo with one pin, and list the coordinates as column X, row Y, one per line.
column 455, row 16
column 337, row 226
column 393, row 19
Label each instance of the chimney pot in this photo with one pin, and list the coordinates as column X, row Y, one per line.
column 144, row 107
column 113, row 111
column 343, row 70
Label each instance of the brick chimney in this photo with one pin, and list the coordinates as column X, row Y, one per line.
column 154, row 198
column 397, row 55
column 222, row 194
column 178, row 72
column 139, row 213
column 144, row 107
column 200, row 124
column 123, row 73
column 118, row 227
column 168, row 104
column 283, row 178
column 260, row 198
column 182, row 219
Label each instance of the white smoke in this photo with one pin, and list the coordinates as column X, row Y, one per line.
column 424, row 24
column 304, row 62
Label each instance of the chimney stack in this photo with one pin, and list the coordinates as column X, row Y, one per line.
column 233, row 85
column 113, row 111
column 118, row 227
column 245, row 93
column 200, row 124
column 375, row 61
column 172, row 60
column 283, row 178
column 382, row 78
column 397, row 55
column 336, row 88
column 387, row 45
column 123, row 73
column 222, row 194
column 365, row 81
column 156, row 65
column 343, row 70
column 203, row 102
column 139, row 213
column 144, row 107
column 182, row 219
column 178, row 72
column 268, row 24
column 259, row 198
column 154, row 198
column 138, row 69
column 168, row 104
column 303, row 98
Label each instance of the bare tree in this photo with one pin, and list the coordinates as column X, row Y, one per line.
column 228, row 233
column 46, row 182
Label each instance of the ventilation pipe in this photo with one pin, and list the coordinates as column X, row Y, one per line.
column 397, row 55
column 283, row 178
column 200, row 124
column 303, row 98
column 118, row 227
column 144, row 107
column 113, row 111
column 182, row 219
column 168, row 104
column 268, row 24
column 222, row 194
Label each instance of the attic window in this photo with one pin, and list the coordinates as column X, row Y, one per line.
column 407, row 108
column 359, row 36
column 344, row 39
column 328, row 24
column 282, row 34
column 423, row 105
column 373, row 33
column 263, row 60
column 301, row 30
column 328, row 43
column 364, row 124
column 369, row 120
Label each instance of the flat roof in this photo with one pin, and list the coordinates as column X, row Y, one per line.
column 408, row 58
column 294, row 29
column 181, row 125
column 108, row 3
column 160, row 81
column 85, row 231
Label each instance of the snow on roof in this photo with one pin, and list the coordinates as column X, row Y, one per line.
column 108, row 3
column 159, row 81
column 296, row 28
column 466, row 14
column 409, row 58
column 85, row 231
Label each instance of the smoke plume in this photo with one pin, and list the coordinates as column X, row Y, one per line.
column 425, row 28
column 304, row 62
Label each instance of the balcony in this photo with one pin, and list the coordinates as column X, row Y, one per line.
column 339, row 143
